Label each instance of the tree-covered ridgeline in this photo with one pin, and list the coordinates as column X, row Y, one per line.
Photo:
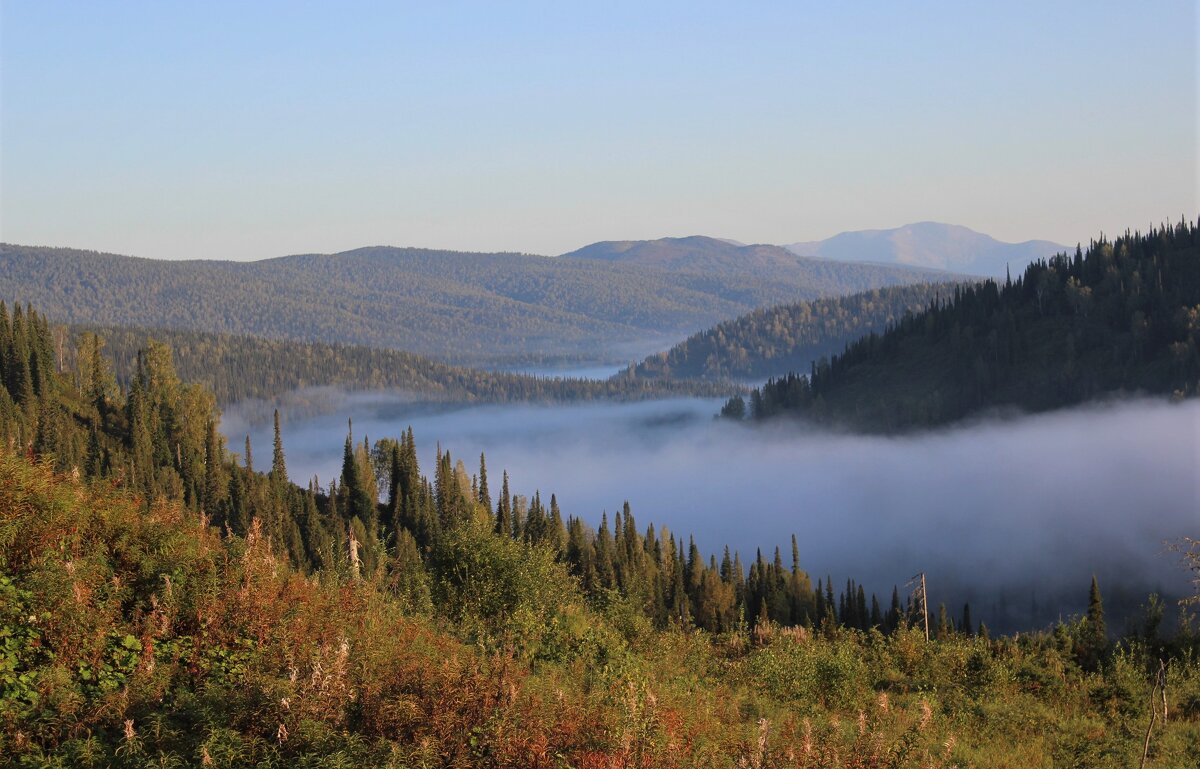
column 771, row 341
column 496, row 309
column 1121, row 317
column 237, row 368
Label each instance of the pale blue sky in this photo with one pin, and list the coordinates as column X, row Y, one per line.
column 248, row 130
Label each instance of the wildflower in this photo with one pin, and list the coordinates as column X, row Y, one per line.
column 949, row 745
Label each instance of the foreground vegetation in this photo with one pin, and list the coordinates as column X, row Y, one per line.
column 163, row 602
column 134, row 634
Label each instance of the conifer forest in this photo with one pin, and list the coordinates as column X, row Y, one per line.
column 617, row 385
column 172, row 598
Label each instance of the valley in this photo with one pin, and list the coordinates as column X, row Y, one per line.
column 599, row 386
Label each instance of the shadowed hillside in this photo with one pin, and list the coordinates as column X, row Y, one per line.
column 775, row 340
column 1122, row 318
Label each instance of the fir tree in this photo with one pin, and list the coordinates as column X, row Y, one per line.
column 215, row 486
column 485, row 497
column 1093, row 636
column 504, row 516
column 278, row 466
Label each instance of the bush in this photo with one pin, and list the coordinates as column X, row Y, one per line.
column 499, row 591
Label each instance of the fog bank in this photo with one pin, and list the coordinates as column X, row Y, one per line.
column 1013, row 515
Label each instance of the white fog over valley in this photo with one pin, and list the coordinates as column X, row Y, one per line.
column 1013, row 515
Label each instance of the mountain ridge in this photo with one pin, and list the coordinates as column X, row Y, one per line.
column 933, row 245
column 468, row 308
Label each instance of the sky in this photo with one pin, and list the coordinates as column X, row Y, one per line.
column 241, row 130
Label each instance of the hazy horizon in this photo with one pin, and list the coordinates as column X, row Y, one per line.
column 169, row 131
column 526, row 253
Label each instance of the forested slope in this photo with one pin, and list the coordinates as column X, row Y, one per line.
column 459, row 307
column 775, row 340
column 1121, row 318
column 163, row 602
column 712, row 256
column 235, row 368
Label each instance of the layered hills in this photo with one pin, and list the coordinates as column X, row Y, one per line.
column 470, row 308
column 238, row 368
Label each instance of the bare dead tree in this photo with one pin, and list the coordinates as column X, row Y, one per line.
column 924, row 598
column 1159, row 691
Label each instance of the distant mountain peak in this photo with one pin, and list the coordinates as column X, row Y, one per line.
column 933, row 245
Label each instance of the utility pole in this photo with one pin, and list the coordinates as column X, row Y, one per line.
column 924, row 600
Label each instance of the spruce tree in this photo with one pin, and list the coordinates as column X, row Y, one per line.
column 556, row 530
column 606, row 574
column 356, row 498
column 504, row 517
column 238, row 519
column 895, row 613
column 739, row 580
column 485, row 497
column 1093, row 640
column 1095, row 612
column 215, row 487
column 278, row 466
column 944, row 626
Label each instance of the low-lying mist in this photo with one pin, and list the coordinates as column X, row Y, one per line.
column 1013, row 515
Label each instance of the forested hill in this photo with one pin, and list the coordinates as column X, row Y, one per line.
column 460, row 307
column 237, row 368
column 712, row 256
column 1122, row 318
column 775, row 340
